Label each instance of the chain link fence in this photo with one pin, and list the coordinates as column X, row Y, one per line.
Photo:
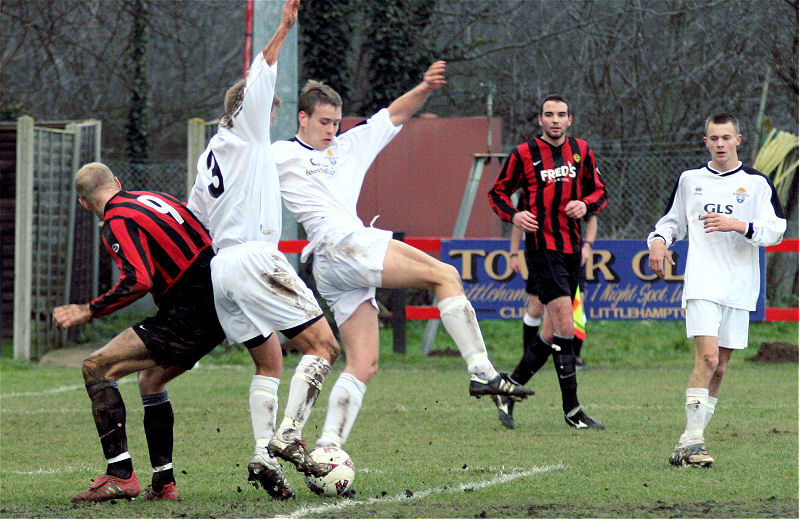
column 640, row 183
column 167, row 176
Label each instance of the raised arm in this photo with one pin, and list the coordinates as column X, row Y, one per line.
column 288, row 19
column 406, row 105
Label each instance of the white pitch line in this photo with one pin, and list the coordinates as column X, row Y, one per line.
column 53, row 471
column 500, row 479
column 55, row 390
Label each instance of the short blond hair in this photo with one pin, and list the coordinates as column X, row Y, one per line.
column 91, row 177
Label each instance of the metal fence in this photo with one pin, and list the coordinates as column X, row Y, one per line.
column 166, row 176
column 640, row 183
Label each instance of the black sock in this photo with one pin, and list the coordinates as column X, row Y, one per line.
column 533, row 358
column 577, row 344
column 108, row 411
column 529, row 333
column 564, row 361
column 158, row 424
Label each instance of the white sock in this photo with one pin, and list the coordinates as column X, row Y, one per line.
column 458, row 317
column 303, row 392
column 344, row 404
column 263, row 408
column 708, row 405
column 695, row 416
column 531, row 321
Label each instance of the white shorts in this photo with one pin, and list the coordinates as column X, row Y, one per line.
column 348, row 272
column 256, row 291
column 707, row 318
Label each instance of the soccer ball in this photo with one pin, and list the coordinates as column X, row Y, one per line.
column 341, row 477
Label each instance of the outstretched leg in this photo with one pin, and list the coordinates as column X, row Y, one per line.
column 404, row 267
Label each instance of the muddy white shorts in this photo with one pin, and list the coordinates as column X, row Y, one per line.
column 707, row 318
column 256, row 291
column 348, row 272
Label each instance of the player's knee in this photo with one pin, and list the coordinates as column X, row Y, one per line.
column 710, row 362
column 448, row 275
column 330, row 349
column 363, row 370
column 94, row 368
column 149, row 383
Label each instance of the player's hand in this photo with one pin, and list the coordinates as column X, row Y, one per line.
column 575, row 209
column 525, row 220
column 716, row 222
column 658, row 254
column 289, row 12
column 66, row 316
column 434, row 76
column 586, row 252
column 513, row 261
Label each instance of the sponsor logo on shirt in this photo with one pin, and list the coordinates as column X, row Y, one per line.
column 320, row 167
column 713, row 207
column 115, row 247
column 560, row 174
column 698, row 191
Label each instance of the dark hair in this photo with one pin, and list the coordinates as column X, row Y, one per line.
column 555, row 97
column 316, row 93
column 721, row 119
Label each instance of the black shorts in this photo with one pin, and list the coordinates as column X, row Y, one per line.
column 530, row 283
column 186, row 327
column 556, row 274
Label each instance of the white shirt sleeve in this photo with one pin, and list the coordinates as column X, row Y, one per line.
column 768, row 228
column 196, row 204
column 672, row 226
column 251, row 123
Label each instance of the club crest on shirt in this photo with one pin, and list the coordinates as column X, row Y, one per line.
column 576, row 157
column 741, row 194
column 331, row 157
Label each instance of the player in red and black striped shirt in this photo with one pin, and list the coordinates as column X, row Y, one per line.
column 560, row 184
column 160, row 247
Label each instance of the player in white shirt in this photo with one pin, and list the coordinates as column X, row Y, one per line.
column 321, row 176
column 237, row 196
column 728, row 211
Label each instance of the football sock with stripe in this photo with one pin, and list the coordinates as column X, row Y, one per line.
column 108, row 411
column 263, row 402
column 159, row 421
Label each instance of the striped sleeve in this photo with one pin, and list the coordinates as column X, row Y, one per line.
column 594, row 192
column 124, row 242
column 508, row 181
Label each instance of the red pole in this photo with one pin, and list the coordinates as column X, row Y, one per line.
column 248, row 37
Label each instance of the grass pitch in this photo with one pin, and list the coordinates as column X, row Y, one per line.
column 423, row 448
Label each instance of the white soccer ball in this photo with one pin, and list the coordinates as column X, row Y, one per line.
column 341, row 477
